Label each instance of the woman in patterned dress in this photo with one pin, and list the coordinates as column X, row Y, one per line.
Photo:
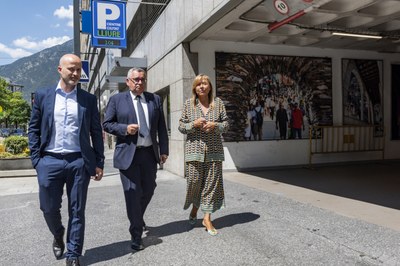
column 203, row 120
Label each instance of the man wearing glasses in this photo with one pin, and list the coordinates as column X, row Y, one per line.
column 136, row 117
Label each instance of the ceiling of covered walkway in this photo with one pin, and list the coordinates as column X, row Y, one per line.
column 249, row 20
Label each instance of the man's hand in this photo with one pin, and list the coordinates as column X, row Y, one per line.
column 132, row 129
column 99, row 174
column 163, row 158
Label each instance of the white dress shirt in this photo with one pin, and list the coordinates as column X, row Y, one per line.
column 147, row 140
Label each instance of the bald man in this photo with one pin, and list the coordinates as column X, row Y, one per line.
column 66, row 145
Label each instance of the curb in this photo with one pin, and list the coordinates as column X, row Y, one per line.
column 18, row 173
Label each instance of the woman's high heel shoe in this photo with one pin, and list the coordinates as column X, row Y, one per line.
column 211, row 232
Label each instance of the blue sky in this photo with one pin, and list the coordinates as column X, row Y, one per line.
column 29, row 26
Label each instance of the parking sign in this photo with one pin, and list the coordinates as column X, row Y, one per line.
column 109, row 24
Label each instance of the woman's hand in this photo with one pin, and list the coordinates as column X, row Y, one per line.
column 209, row 126
column 200, row 122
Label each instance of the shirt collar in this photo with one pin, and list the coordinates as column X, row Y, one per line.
column 134, row 95
column 61, row 90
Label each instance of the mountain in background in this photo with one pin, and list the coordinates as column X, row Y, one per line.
column 38, row 70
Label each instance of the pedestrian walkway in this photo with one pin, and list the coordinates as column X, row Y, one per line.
column 271, row 218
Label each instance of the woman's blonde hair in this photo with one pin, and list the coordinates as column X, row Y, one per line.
column 197, row 80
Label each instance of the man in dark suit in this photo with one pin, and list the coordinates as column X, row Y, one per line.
column 137, row 119
column 64, row 122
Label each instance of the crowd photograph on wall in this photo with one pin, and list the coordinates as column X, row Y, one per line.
column 362, row 93
column 274, row 97
column 271, row 97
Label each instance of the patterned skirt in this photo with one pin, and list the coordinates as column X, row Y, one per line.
column 205, row 188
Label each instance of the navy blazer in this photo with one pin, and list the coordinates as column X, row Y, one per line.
column 90, row 131
column 120, row 113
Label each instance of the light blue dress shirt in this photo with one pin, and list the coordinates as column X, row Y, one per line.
column 65, row 133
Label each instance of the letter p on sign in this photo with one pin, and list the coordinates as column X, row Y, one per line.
column 106, row 12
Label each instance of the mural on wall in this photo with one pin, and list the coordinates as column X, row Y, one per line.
column 395, row 102
column 362, row 93
column 270, row 97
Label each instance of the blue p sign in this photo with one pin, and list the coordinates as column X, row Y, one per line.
column 109, row 24
column 106, row 12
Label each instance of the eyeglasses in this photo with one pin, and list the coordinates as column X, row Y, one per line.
column 137, row 80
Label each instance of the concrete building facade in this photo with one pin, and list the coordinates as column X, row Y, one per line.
column 178, row 44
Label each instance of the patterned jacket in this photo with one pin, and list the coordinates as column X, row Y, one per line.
column 201, row 146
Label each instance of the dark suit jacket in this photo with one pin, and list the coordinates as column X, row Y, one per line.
column 120, row 113
column 41, row 125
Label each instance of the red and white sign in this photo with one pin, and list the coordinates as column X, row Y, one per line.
column 285, row 11
column 281, row 7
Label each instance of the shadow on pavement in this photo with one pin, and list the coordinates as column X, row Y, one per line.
column 122, row 248
column 234, row 219
column 172, row 228
column 376, row 182
column 183, row 226
column 107, row 252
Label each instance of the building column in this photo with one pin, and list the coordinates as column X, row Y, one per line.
column 177, row 71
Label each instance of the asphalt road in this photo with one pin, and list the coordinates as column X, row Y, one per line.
column 257, row 227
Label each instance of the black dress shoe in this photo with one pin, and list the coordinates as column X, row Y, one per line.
column 145, row 228
column 58, row 246
column 73, row 262
column 137, row 245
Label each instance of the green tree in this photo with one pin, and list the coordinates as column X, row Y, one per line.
column 4, row 92
column 20, row 110
column 14, row 109
column 5, row 96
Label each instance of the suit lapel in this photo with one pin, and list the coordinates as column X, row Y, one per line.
column 50, row 102
column 81, row 108
column 150, row 108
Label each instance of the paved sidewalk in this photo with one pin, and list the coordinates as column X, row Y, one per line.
column 108, row 154
column 263, row 224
